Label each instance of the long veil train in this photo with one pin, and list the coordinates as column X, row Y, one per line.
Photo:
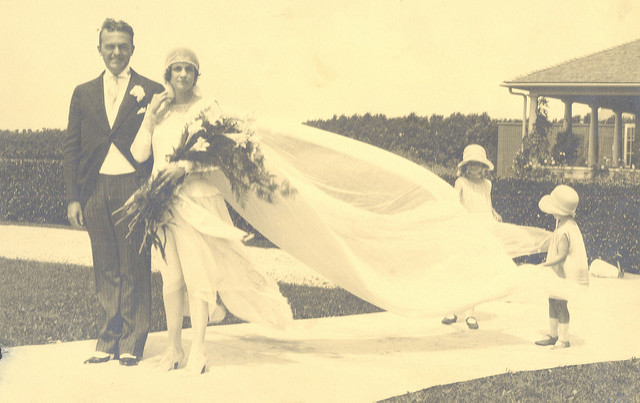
column 383, row 228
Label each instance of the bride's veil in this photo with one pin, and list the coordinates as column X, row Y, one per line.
column 385, row 229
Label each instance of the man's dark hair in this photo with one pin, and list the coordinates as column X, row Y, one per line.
column 112, row 25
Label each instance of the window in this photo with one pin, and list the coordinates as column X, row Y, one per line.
column 629, row 143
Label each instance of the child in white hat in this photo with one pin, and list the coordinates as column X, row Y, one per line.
column 475, row 195
column 567, row 256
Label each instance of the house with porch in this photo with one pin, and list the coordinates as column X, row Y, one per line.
column 609, row 79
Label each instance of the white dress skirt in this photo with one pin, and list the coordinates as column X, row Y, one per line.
column 212, row 257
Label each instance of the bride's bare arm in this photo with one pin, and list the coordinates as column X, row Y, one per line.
column 141, row 146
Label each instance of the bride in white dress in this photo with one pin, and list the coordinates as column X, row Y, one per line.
column 384, row 228
column 204, row 255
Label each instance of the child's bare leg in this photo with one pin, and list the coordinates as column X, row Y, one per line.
column 552, row 337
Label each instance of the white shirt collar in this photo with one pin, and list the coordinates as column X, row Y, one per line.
column 126, row 73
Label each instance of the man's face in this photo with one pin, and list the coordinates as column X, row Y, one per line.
column 116, row 50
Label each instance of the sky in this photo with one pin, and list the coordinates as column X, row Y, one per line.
column 309, row 59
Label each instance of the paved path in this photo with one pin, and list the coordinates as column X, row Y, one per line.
column 352, row 359
column 52, row 244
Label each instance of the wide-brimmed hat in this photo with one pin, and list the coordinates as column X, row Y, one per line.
column 476, row 153
column 563, row 200
column 182, row 55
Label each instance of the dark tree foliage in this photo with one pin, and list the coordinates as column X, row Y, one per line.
column 434, row 140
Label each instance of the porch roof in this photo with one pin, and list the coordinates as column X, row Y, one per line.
column 609, row 78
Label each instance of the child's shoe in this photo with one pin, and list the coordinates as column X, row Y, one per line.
column 549, row 341
column 561, row 344
column 447, row 320
column 472, row 323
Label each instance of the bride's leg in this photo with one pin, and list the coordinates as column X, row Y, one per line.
column 199, row 310
column 174, row 309
column 173, row 297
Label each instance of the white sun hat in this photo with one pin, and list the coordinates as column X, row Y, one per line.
column 476, row 153
column 563, row 200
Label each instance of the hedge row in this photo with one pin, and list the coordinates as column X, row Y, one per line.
column 32, row 191
column 28, row 144
column 608, row 214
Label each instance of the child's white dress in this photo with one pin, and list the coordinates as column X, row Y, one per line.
column 475, row 196
column 517, row 240
column 575, row 266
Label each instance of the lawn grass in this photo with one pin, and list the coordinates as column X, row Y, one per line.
column 615, row 381
column 49, row 302
column 45, row 303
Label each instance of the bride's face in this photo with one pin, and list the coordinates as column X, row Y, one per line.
column 183, row 77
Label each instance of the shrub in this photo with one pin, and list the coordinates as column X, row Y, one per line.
column 565, row 150
column 535, row 145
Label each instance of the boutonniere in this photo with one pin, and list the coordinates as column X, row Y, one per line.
column 138, row 92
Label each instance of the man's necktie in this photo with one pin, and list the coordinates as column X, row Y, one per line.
column 113, row 91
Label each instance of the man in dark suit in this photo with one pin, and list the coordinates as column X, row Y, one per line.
column 99, row 175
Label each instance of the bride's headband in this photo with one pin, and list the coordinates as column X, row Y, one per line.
column 182, row 55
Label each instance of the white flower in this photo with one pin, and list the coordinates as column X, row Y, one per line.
column 212, row 114
column 138, row 92
column 184, row 164
column 200, row 145
column 241, row 138
column 254, row 153
column 194, row 127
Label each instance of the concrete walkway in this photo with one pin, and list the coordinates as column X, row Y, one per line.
column 360, row 358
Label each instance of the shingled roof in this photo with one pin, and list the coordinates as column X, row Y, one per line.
column 608, row 79
column 617, row 65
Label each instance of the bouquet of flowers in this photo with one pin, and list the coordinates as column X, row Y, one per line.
column 208, row 141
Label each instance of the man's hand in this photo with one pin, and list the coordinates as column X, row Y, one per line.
column 74, row 214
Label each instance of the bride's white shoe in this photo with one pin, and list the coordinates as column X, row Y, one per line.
column 197, row 363
column 170, row 360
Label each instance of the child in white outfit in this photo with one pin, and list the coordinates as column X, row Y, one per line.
column 474, row 190
column 567, row 256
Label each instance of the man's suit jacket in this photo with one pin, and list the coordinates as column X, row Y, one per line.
column 89, row 136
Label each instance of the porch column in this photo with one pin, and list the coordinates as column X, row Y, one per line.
column 593, row 137
column 616, row 154
column 636, row 151
column 533, row 111
column 567, row 124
